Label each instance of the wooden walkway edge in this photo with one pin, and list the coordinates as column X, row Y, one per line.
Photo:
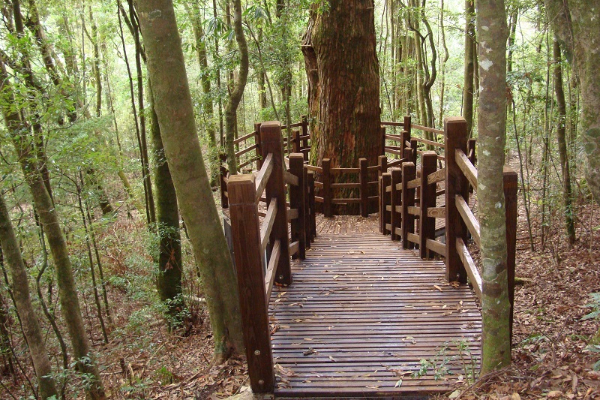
column 364, row 318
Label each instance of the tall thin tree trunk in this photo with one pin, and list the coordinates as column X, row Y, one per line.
column 29, row 322
column 561, row 135
column 468, row 83
column 492, row 34
column 182, row 148
column 238, row 89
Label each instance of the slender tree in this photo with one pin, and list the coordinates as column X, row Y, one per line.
column 576, row 24
column 492, row 33
column 20, row 286
column 238, row 89
column 178, row 131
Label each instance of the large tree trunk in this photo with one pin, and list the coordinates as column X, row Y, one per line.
column 577, row 25
column 69, row 301
column 492, row 33
column 20, row 285
column 166, row 68
column 343, row 75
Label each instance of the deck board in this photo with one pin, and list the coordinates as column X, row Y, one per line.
column 360, row 316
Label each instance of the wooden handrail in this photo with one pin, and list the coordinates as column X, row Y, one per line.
column 437, row 176
column 246, row 150
column 263, row 176
column 270, row 274
column 469, row 264
column 429, row 142
column 427, row 129
column 267, row 226
column 290, row 178
column 466, row 167
column 245, row 137
column 387, row 123
column 469, row 218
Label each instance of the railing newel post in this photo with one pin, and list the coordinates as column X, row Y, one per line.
column 427, row 200
column 327, row 195
column 254, row 309
column 382, row 162
column 305, row 134
column 297, row 202
column 386, row 180
column 396, row 218
column 511, row 184
column 363, row 177
column 312, row 205
column 259, row 153
column 222, row 181
column 271, row 141
column 408, row 200
column 456, row 184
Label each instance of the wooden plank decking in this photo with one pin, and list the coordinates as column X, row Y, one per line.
column 360, row 317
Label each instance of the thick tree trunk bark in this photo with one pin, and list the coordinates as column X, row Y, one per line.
column 29, row 321
column 492, row 33
column 182, row 148
column 343, row 74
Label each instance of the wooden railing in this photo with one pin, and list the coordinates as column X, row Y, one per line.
column 262, row 251
column 409, row 203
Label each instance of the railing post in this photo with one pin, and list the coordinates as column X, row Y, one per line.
column 311, row 204
column 245, row 228
column 326, row 165
column 305, row 134
column 472, row 154
column 306, row 190
column 386, row 180
column 259, row 152
column 405, row 134
column 297, row 147
column 364, row 187
column 271, row 141
column 413, row 146
column 427, row 230
column 222, row 181
column 396, row 218
column 382, row 169
column 408, row 200
column 456, row 184
column 511, row 183
column 297, row 194
column 383, row 139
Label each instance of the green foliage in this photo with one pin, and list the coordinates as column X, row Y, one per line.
column 594, row 305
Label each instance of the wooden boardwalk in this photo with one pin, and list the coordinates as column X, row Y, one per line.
column 364, row 318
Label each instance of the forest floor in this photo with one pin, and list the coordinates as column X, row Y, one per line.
column 551, row 356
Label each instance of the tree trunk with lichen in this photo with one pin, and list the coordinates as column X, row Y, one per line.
column 238, row 88
column 20, row 285
column 343, row 83
column 492, row 33
column 576, row 24
column 166, row 69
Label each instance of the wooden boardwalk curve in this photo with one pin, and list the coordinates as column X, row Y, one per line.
column 362, row 316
